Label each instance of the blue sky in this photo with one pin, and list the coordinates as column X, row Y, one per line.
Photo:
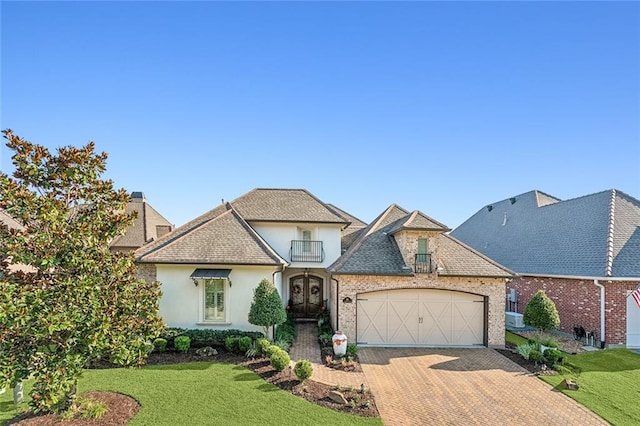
column 442, row 107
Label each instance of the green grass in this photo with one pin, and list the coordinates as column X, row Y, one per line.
column 609, row 383
column 202, row 393
column 514, row 339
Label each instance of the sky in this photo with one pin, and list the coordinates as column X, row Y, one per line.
column 442, row 107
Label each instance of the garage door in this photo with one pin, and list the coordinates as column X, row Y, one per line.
column 420, row 318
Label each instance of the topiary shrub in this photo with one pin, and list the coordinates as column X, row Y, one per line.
column 541, row 313
column 303, row 370
column 552, row 356
column 160, row 344
column 182, row 343
column 244, row 344
column 535, row 355
column 266, row 308
column 270, row 349
column 279, row 360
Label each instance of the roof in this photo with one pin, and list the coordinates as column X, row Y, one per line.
column 352, row 231
column 145, row 226
column 222, row 238
column 9, row 221
column 375, row 251
column 596, row 235
column 284, row 205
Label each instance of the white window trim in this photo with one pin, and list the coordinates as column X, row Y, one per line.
column 201, row 319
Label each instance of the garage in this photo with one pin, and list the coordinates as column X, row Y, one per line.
column 420, row 317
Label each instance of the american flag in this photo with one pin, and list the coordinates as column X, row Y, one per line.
column 636, row 296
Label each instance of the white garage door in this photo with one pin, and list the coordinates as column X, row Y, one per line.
column 633, row 323
column 424, row 317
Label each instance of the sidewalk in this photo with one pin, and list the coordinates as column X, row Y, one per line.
column 307, row 347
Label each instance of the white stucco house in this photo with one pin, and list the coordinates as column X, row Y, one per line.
column 399, row 281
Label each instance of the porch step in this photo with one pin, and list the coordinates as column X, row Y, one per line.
column 305, row 320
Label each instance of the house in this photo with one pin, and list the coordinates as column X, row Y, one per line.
column 400, row 280
column 583, row 252
column 149, row 225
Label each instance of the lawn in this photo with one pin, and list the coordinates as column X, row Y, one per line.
column 202, row 393
column 514, row 339
column 609, row 384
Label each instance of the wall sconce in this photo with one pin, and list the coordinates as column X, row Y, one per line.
column 306, row 272
column 347, row 300
column 229, row 283
column 195, row 281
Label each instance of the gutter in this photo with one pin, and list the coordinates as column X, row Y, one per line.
column 602, row 312
column 578, row 277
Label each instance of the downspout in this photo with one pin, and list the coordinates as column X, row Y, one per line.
column 337, row 302
column 602, row 311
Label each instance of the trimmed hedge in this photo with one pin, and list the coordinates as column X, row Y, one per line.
column 204, row 337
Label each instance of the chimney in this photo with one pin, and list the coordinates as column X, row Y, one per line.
column 137, row 196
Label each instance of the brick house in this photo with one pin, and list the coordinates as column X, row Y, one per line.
column 400, row 281
column 583, row 252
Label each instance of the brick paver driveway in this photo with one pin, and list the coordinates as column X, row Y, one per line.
column 463, row 387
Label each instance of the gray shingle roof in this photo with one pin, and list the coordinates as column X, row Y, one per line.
column 284, row 205
column 596, row 235
column 144, row 227
column 354, row 222
column 222, row 239
column 375, row 251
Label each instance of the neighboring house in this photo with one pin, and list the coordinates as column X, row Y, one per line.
column 148, row 226
column 7, row 220
column 399, row 281
column 584, row 253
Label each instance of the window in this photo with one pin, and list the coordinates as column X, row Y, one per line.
column 306, row 238
column 214, row 290
column 423, row 250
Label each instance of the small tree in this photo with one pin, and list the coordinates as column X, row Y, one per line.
column 541, row 313
column 266, row 308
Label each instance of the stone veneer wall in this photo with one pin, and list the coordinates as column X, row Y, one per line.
column 578, row 303
column 147, row 271
column 352, row 285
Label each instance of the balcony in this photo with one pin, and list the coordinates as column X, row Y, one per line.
column 306, row 251
column 423, row 264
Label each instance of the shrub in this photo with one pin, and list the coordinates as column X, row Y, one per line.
column 231, row 344
column 262, row 345
column 352, row 349
column 253, row 350
column 303, row 370
column 325, row 339
column 270, row 350
column 201, row 338
column 160, row 344
column 279, row 360
column 541, row 313
column 552, row 356
column 182, row 343
column 549, row 342
column 524, row 350
column 244, row 344
column 535, row 355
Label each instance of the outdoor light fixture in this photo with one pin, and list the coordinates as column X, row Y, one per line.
column 306, row 272
column 195, row 281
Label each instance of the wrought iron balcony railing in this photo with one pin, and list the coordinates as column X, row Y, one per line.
column 306, row 251
column 423, row 264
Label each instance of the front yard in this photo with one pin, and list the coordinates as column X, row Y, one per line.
column 609, row 383
column 201, row 393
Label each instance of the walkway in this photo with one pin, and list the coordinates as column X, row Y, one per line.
column 307, row 347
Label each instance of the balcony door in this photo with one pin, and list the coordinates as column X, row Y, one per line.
column 305, row 294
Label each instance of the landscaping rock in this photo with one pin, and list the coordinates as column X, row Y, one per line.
column 337, row 397
column 569, row 384
column 206, row 351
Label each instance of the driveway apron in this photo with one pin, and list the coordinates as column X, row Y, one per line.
column 429, row 386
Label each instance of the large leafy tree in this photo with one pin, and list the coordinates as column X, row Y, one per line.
column 266, row 308
column 541, row 313
column 65, row 298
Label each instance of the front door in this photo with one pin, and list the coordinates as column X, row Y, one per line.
column 305, row 295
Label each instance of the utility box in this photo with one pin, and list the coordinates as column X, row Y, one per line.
column 514, row 320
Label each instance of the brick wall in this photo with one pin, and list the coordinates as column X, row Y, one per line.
column 578, row 303
column 352, row 285
column 147, row 271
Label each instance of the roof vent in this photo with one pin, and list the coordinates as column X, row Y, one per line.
column 137, row 196
column 489, row 208
column 513, row 200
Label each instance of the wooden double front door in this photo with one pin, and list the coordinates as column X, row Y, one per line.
column 305, row 294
